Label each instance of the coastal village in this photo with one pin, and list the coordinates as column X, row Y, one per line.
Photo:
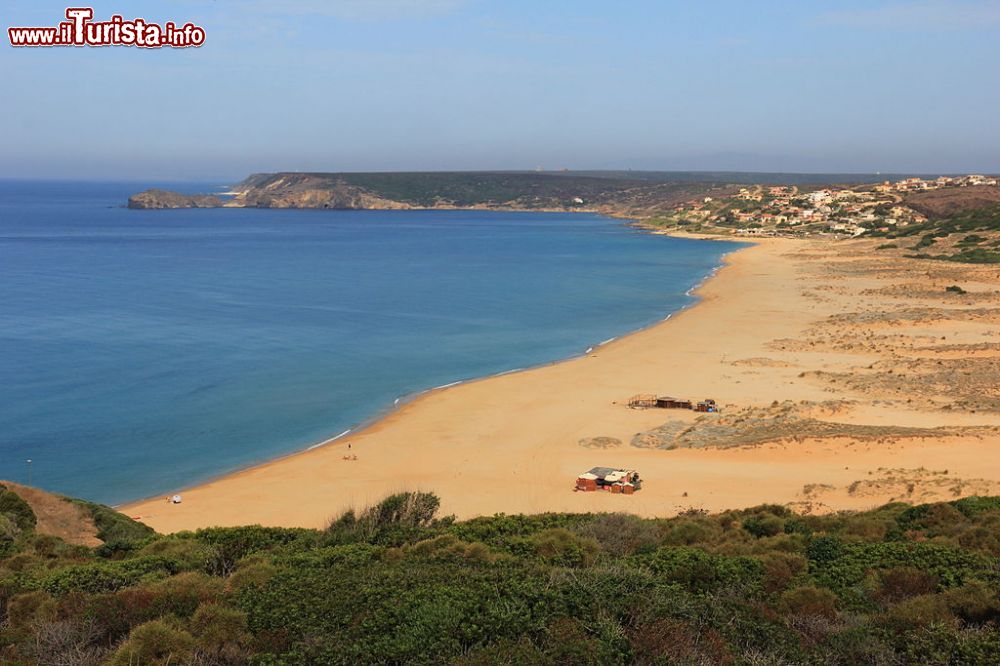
column 762, row 210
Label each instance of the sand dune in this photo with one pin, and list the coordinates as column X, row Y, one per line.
column 818, row 325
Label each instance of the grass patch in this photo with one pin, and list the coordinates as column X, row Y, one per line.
column 113, row 527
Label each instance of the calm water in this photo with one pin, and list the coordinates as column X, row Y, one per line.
column 145, row 350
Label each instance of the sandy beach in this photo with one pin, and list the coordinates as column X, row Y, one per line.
column 846, row 380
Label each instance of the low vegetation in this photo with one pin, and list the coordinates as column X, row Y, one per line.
column 959, row 232
column 396, row 584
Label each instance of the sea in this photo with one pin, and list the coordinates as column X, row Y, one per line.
column 142, row 351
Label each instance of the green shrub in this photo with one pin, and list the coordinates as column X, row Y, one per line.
column 501, row 530
column 25, row 609
column 16, row 509
column 564, row 548
column 221, row 632
column 809, row 601
column 9, row 532
column 229, row 545
column 447, row 547
column 253, row 572
column 398, row 519
column 114, row 528
column 107, row 576
column 505, row 652
column 780, row 569
column 155, row 643
column 752, row 586
column 919, row 613
column 975, row 602
column 898, row 583
column 671, row 640
column 701, row 572
column 181, row 595
column 620, row 534
column 846, row 573
column 764, row 525
column 568, row 643
column 187, row 553
column 690, row 531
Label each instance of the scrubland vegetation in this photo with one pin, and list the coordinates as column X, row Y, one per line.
column 961, row 244
column 395, row 584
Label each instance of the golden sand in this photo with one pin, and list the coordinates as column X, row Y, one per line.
column 785, row 320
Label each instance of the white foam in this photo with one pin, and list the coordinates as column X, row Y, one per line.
column 325, row 442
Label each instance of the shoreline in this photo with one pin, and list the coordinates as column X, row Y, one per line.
column 403, row 401
column 514, row 442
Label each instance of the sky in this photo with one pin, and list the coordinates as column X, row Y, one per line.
column 385, row 85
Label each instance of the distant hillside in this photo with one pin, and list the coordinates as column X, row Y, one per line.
column 631, row 193
column 946, row 202
column 486, row 190
column 395, row 584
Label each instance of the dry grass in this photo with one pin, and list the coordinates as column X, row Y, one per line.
column 57, row 517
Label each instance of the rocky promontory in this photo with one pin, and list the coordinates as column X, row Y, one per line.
column 156, row 198
column 615, row 193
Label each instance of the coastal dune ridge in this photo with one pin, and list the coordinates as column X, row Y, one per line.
column 765, row 338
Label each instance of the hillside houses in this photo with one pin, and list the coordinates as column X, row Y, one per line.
column 847, row 211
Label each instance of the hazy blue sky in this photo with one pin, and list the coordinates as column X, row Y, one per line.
column 508, row 84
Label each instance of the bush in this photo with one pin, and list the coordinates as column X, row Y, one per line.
column 919, row 613
column 394, row 521
column 975, row 602
column 181, row 595
column 187, row 553
column 155, row 643
column 689, row 531
column 764, row 525
column 229, row 545
column 253, row 572
column 810, row 601
column 568, row 643
column 564, row 548
column 23, row 610
column 900, row 583
column 780, row 569
column 221, row 632
column 16, row 509
column 107, row 576
column 446, row 547
column 894, row 585
column 9, row 531
column 620, row 534
column 701, row 572
column 685, row 642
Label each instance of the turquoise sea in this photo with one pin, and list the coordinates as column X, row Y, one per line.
column 141, row 351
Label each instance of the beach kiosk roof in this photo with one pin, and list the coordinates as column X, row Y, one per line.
column 601, row 472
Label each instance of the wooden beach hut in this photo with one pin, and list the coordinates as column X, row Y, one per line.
column 666, row 402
